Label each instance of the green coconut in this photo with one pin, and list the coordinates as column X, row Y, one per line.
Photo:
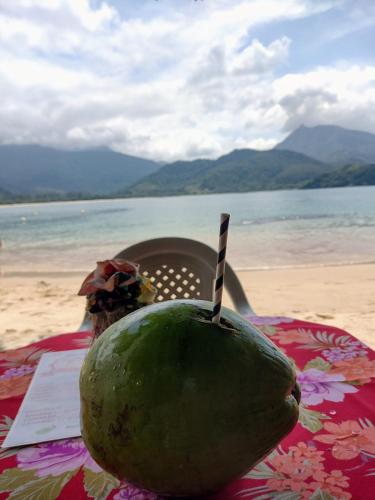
column 176, row 404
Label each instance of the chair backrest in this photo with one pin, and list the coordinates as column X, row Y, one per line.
column 181, row 268
column 184, row 268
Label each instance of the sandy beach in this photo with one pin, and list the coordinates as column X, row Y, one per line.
column 34, row 306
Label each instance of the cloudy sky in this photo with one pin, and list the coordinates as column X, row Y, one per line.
column 168, row 79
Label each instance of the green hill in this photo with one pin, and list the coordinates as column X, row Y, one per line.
column 239, row 171
column 31, row 170
column 5, row 195
column 350, row 175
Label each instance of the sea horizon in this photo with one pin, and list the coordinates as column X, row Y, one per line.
column 182, row 195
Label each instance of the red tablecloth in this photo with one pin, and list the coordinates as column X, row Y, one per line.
column 329, row 454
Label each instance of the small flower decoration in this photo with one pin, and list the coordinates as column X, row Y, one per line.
column 107, row 275
column 117, row 283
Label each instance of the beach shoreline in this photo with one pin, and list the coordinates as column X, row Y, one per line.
column 46, row 272
column 35, row 305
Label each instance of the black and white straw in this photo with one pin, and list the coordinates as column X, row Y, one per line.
column 220, row 267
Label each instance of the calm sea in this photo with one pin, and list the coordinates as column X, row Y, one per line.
column 267, row 229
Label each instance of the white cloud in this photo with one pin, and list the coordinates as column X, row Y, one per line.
column 256, row 58
column 344, row 96
column 261, row 144
column 181, row 83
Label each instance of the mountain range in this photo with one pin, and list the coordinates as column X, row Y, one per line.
column 239, row 171
column 32, row 169
column 331, row 144
column 309, row 157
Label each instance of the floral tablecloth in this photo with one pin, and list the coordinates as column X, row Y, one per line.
column 329, row 455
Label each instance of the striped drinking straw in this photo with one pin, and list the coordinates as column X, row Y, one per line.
column 220, row 266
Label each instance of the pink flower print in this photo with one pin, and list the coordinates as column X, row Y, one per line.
column 360, row 369
column 302, row 471
column 17, row 357
column 18, row 371
column 293, row 336
column 304, row 453
column 302, row 460
column 347, row 351
column 55, row 458
column 267, row 320
column 333, row 482
column 318, row 386
column 295, row 470
column 132, row 493
column 349, row 439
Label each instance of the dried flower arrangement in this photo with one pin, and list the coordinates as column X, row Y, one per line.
column 113, row 290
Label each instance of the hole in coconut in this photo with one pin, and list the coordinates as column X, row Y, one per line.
column 206, row 316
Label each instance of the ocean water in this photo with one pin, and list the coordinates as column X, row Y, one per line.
column 267, row 229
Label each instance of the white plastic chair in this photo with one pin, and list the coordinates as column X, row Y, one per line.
column 182, row 268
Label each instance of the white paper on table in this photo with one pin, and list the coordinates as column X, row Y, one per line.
column 50, row 409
